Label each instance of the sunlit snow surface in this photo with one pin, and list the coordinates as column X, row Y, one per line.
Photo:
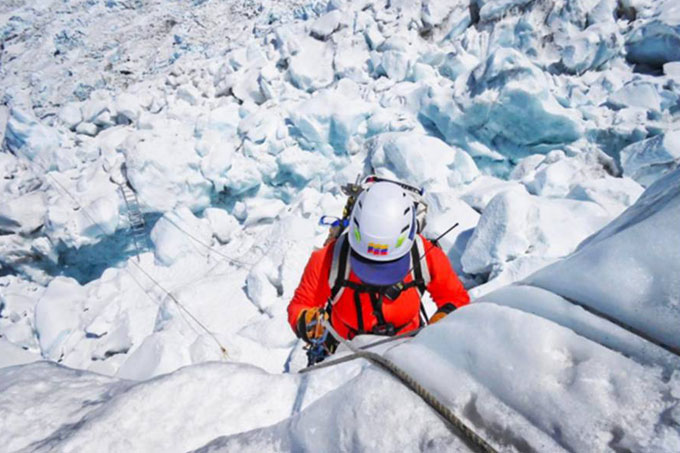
column 537, row 126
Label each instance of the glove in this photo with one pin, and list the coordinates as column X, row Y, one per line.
column 309, row 326
column 442, row 312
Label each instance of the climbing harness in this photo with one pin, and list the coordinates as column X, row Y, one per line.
column 459, row 428
column 338, row 281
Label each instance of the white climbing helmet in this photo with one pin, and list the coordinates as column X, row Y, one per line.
column 381, row 231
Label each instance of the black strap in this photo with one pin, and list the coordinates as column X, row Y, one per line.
column 446, row 308
column 376, row 303
column 417, row 270
column 360, row 316
column 342, row 268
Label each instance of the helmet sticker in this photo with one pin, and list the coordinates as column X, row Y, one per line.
column 377, row 249
column 401, row 240
column 357, row 235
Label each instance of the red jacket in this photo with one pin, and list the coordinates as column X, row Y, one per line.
column 314, row 291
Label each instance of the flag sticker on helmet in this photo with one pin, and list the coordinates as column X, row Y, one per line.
column 377, row 249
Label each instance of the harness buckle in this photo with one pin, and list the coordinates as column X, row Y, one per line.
column 388, row 329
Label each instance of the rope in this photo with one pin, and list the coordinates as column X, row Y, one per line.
column 350, row 357
column 460, row 429
column 227, row 258
column 594, row 311
column 223, row 350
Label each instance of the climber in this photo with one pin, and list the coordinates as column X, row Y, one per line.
column 370, row 279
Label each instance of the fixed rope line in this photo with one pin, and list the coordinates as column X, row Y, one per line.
column 183, row 308
column 138, row 266
column 637, row 332
column 350, row 357
column 461, row 430
column 209, row 247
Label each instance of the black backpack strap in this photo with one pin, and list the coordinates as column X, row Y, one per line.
column 339, row 268
column 421, row 273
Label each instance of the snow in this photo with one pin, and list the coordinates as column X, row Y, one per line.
column 643, row 242
column 548, row 131
column 561, row 382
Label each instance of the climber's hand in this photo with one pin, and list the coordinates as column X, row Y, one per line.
column 309, row 326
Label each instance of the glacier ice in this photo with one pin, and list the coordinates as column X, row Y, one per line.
column 530, row 126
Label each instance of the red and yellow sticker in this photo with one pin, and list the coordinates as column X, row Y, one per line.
column 377, row 249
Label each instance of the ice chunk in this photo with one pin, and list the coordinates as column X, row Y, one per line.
column 656, row 40
column 57, row 317
column 480, row 191
column 637, row 94
column 495, row 9
column 613, row 194
column 242, row 176
column 164, row 169
column 298, row 166
column 445, row 19
column 171, row 244
column 27, row 137
column 507, row 102
column 329, row 120
column 351, row 59
column 423, row 160
column 591, row 48
column 261, row 290
column 555, row 174
column 505, row 274
column 446, row 209
column 23, row 214
column 262, row 210
column 223, row 119
column 223, row 225
column 266, row 129
column 71, row 115
column 328, row 24
column 100, row 218
column 528, row 115
column 629, row 270
column 311, row 67
column 516, row 224
column 128, row 106
column 648, row 160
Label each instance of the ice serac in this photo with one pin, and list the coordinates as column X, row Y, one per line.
column 332, row 121
column 164, row 169
column 27, row 137
column 648, row 160
column 509, row 107
column 311, row 67
column 421, row 159
column 657, row 39
column 630, row 269
column 515, row 224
